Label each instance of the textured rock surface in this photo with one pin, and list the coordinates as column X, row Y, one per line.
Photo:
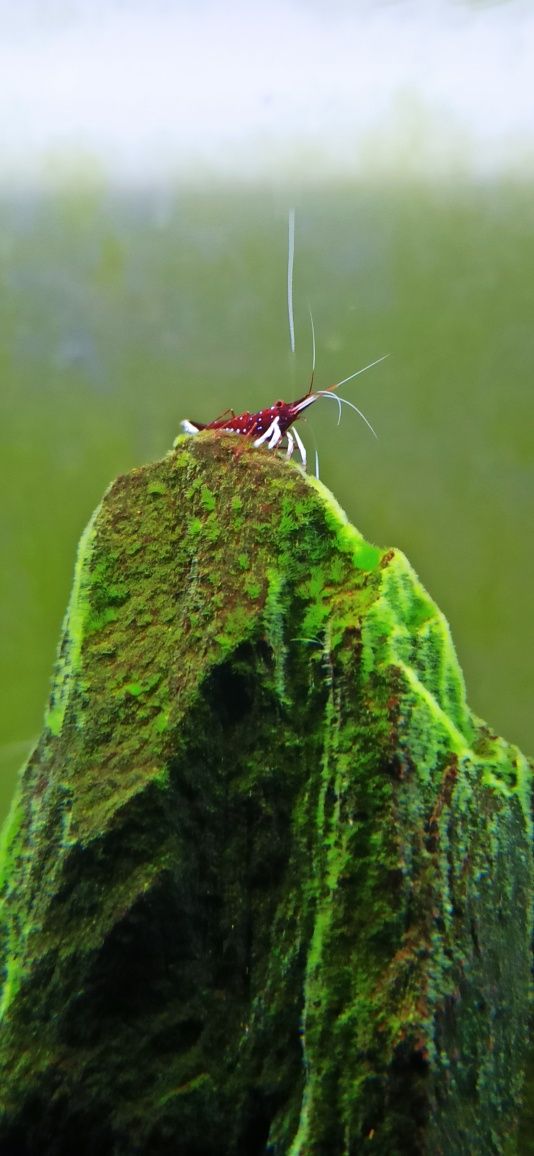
column 266, row 880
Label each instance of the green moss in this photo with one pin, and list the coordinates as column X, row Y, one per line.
column 8, row 839
column 265, row 871
column 208, row 498
column 367, row 557
column 73, row 632
column 252, row 588
column 133, row 688
column 274, row 623
column 161, row 722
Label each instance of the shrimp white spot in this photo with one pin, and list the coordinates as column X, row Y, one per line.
column 188, row 426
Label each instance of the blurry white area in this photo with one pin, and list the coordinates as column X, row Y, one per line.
column 300, row 88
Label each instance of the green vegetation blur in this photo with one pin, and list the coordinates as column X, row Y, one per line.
column 122, row 314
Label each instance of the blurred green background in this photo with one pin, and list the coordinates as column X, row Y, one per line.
column 121, row 313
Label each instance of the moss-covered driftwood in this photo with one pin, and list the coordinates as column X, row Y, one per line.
column 266, row 880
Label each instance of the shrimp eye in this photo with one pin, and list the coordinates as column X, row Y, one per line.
column 277, row 404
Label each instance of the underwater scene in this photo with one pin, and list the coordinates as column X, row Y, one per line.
column 121, row 313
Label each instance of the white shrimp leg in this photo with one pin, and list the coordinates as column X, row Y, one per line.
column 272, row 435
column 277, row 434
column 301, row 447
column 290, row 444
column 267, row 433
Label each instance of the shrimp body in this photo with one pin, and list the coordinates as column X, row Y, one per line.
column 273, row 425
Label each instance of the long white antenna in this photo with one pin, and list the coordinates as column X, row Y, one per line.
column 313, row 341
column 290, row 260
column 358, row 371
column 343, row 401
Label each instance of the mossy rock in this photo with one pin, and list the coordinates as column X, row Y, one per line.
column 266, row 881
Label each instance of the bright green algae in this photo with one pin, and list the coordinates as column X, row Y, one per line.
column 266, row 881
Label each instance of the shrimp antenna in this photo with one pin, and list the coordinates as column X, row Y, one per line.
column 313, row 348
column 357, row 374
column 312, row 431
column 290, row 262
column 343, row 401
